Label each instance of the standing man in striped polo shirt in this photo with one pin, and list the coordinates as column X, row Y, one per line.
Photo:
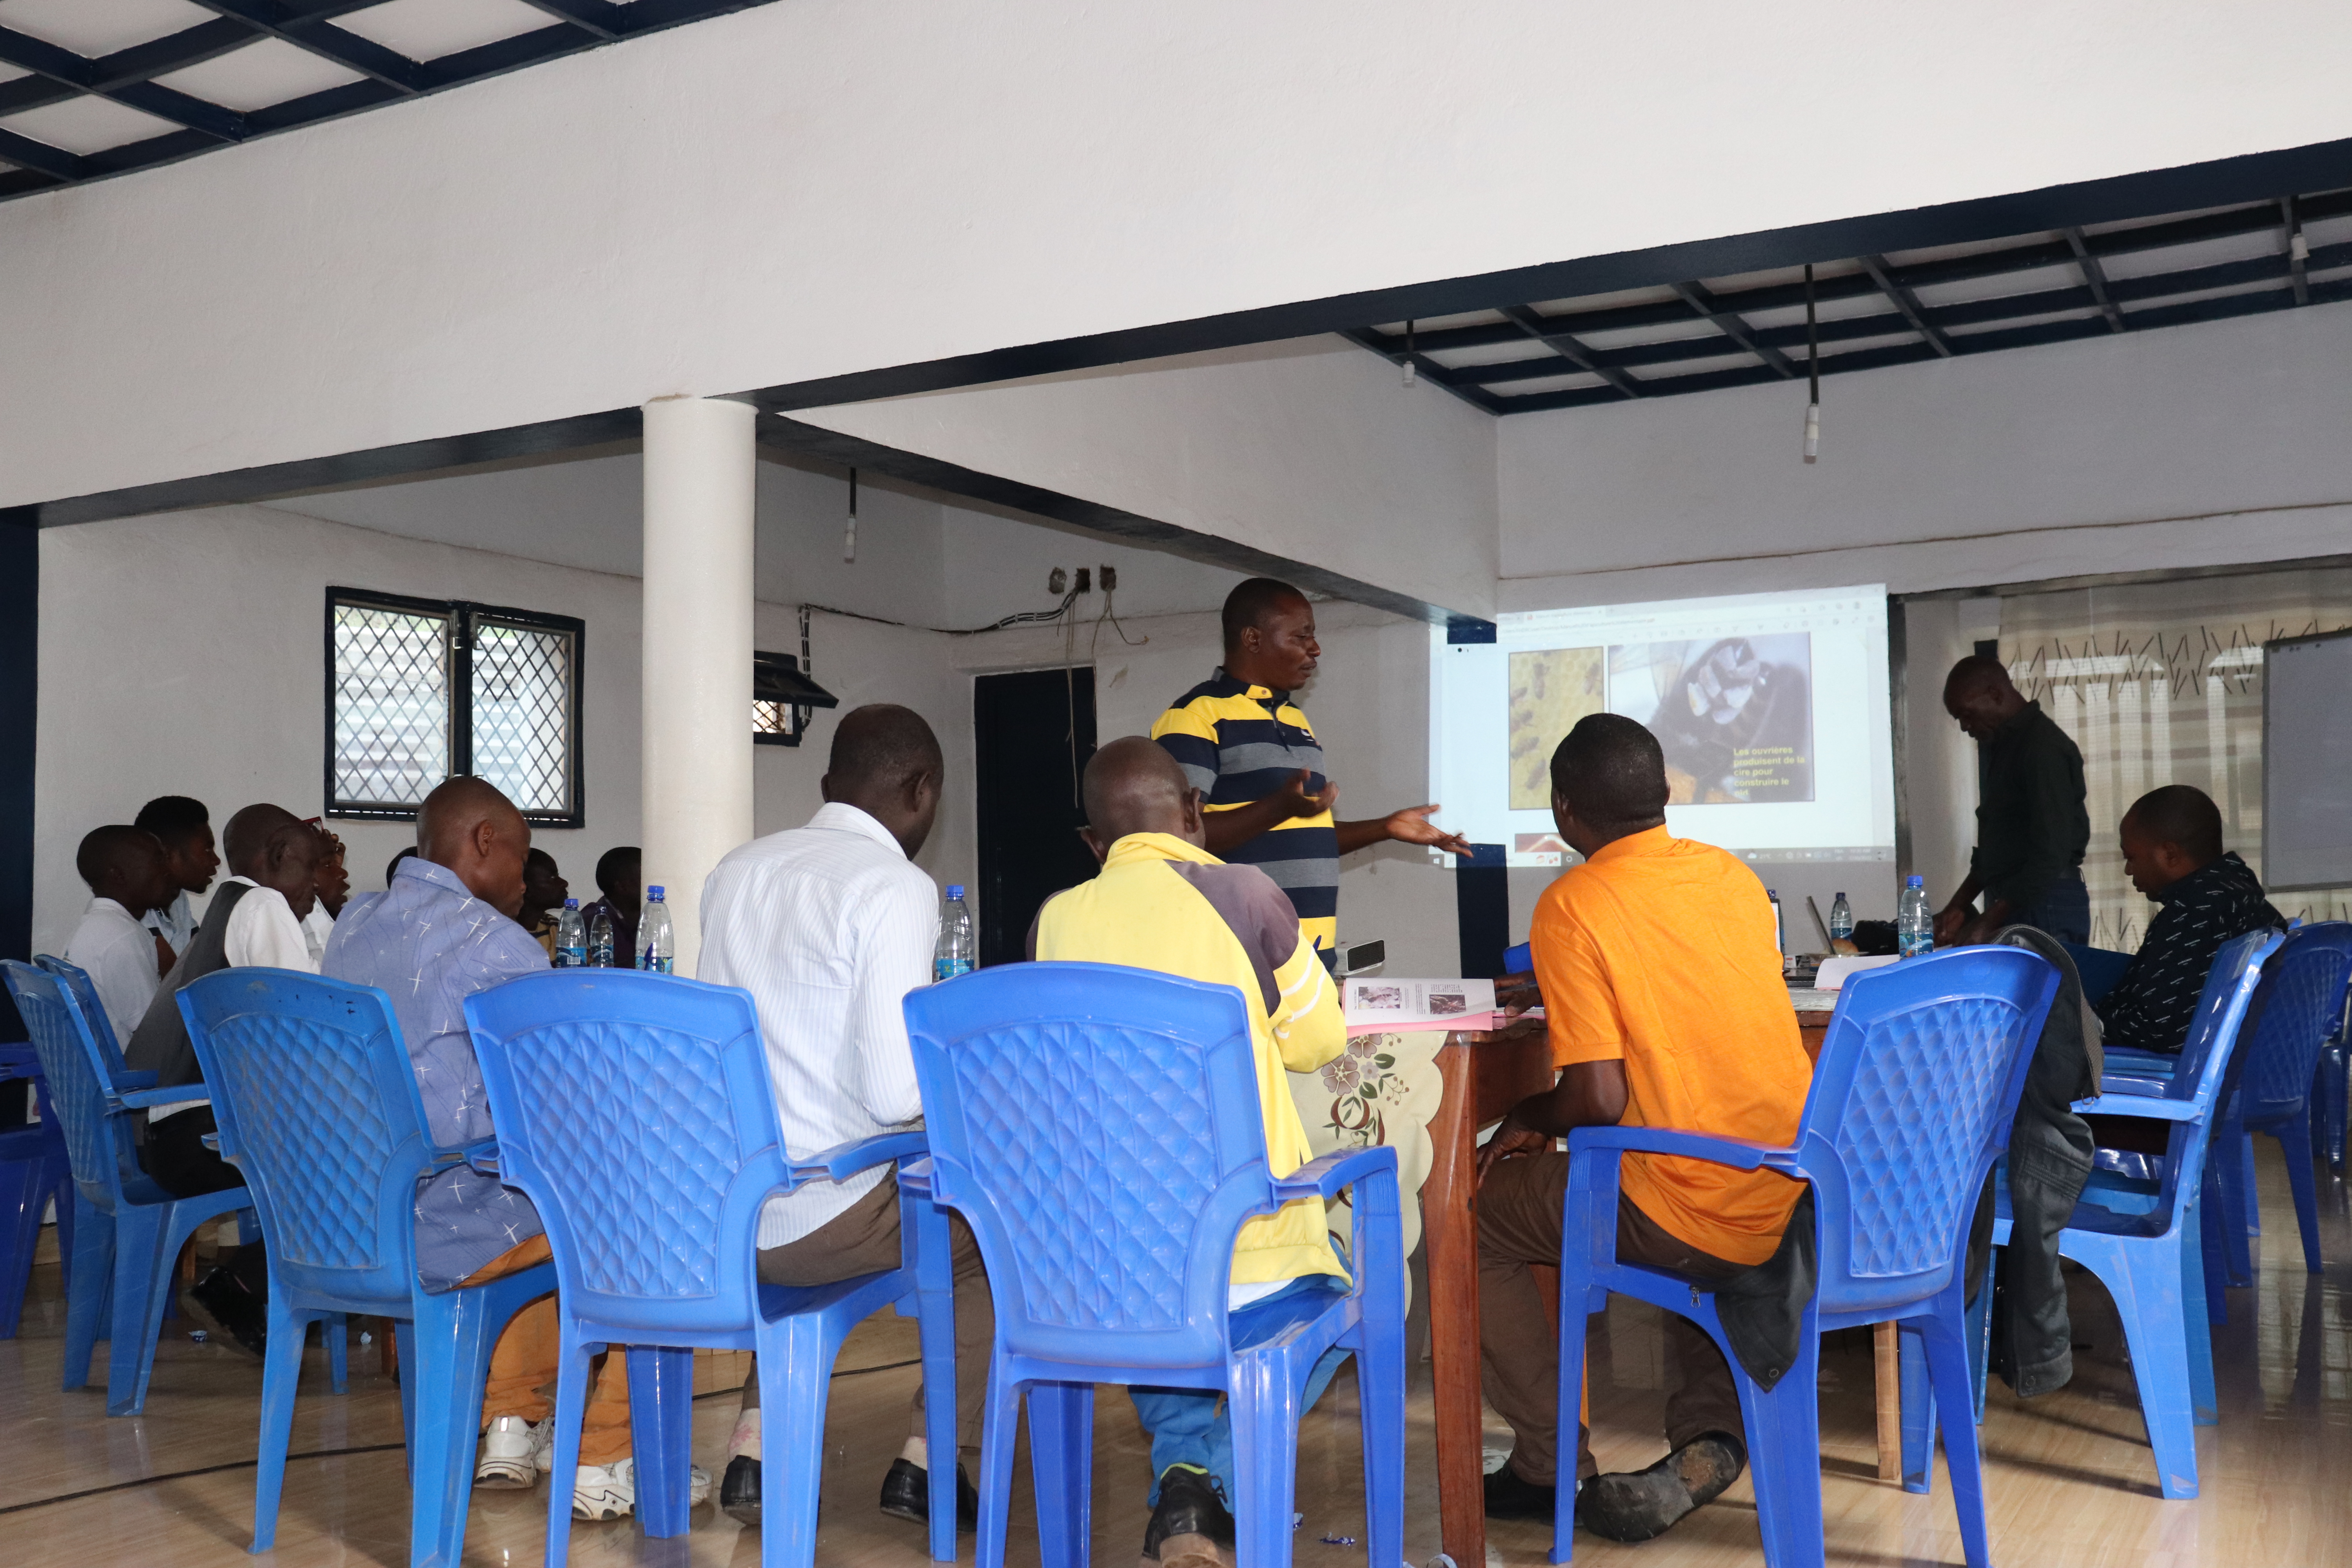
column 1253, row 757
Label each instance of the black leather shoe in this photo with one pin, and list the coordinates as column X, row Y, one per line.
column 1190, row 1504
column 907, row 1494
column 1638, row 1505
column 738, row 1490
column 1508, row 1496
column 220, row 1303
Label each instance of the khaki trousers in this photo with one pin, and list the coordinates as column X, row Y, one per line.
column 1519, row 1224
column 522, row 1366
column 864, row 1238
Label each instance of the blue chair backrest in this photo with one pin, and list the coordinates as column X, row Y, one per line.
column 2304, row 988
column 635, row 1110
column 85, row 1107
column 2098, row 968
column 317, row 1105
column 2212, row 1040
column 93, row 1012
column 1099, row 1128
column 1911, row 1102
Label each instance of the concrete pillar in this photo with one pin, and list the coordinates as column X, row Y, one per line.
column 699, row 466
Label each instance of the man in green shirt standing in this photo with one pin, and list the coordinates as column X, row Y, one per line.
column 2032, row 827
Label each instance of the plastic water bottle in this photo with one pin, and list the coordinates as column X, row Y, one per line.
column 953, row 955
column 571, row 938
column 1915, row 926
column 600, row 938
column 1842, row 920
column 655, row 949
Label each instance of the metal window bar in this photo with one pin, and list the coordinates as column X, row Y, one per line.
column 783, row 697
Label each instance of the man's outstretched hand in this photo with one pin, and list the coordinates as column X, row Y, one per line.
column 1411, row 825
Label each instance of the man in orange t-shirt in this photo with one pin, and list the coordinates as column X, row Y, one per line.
column 1661, row 979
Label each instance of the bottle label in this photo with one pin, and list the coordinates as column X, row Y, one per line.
column 1916, row 943
column 949, row 968
column 570, row 958
column 655, row 966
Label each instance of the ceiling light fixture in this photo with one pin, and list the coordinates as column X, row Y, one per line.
column 1812, row 373
column 849, row 533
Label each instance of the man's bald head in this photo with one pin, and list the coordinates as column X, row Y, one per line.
column 1979, row 694
column 469, row 827
column 1133, row 786
column 886, row 761
column 245, row 840
column 269, row 845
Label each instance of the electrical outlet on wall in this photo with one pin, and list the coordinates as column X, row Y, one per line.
column 1109, row 578
column 1086, row 581
column 1057, row 581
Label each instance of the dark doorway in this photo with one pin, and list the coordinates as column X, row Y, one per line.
column 1032, row 735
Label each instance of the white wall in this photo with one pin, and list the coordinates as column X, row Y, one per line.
column 828, row 186
column 1310, row 449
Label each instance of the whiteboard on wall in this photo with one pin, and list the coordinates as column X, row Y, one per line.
column 2307, row 761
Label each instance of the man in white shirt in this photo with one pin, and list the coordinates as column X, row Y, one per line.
column 829, row 926
column 127, row 876
column 186, row 828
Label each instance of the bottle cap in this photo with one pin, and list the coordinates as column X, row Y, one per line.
column 1841, row 894
column 1916, row 883
column 570, row 903
column 1773, row 894
column 955, row 889
column 655, row 892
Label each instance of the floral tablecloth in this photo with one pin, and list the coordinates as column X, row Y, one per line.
column 1383, row 1089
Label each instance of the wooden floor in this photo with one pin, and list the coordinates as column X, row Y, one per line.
column 2069, row 1476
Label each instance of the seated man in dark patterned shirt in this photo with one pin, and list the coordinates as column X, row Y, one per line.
column 2172, row 852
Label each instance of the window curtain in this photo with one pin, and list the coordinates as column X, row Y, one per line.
column 2161, row 683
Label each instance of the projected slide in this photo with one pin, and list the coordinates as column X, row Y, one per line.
column 1772, row 710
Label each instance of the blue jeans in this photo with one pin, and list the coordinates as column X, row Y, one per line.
column 2064, row 909
column 1189, row 1426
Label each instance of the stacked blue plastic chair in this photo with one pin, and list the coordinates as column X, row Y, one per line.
column 318, row 1106
column 636, row 1111
column 34, row 1169
column 2143, row 1240
column 127, row 1231
column 1099, row 1128
column 1911, row 1102
column 2303, row 1010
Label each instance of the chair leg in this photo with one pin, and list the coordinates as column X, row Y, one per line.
column 1919, row 1413
column 928, row 1250
column 2196, row 1318
column 1061, row 1467
column 661, row 1433
column 454, row 1334
column 2294, row 1144
column 575, row 1369
column 335, row 1331
column 88, row 1272
column 1784, row 1453
column 2211, row 1211
column 2228, row 1162
column 795, row 1367
column 406, row 1371
column 2151, row 1307
column 142, row 1279
column 1943, row 1337
column 1573, row 1314
column 2254, row 1194
column 1379, row 1397
column 1262, row 1405
column 281, row 1374
column 24, row 1191
column 1000, row 1429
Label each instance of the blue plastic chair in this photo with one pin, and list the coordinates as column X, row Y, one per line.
column 127, row 1231
column 636, row 1109
column 1911, row 1103
column 2303, row 1009
column 34, row 1169
column 1099, row 1128
column 2141, row 1239
column 318, row 1106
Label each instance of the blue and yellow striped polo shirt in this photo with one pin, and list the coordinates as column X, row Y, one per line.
column 1239, row 744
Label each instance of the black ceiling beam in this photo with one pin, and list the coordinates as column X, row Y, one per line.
column 2094, row 278
column 1727, row 321
column 86, row 76
column 39, row 156
column 1540, row 329
column 311, row 27
column 1452, row 381
column 1907, row 303
column 158, row 56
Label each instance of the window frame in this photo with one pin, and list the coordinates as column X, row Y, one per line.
column 465, row 617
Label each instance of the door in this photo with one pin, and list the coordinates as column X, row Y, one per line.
column 1033, row 732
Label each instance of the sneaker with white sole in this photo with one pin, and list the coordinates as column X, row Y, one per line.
column 602, row 1493
column 514, row 1453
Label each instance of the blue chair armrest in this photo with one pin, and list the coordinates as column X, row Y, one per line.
column 2141, row 1105
column 483, row 1156
column 179, row 1094
column 211, row 1140
column 1737, row 1152
column 847, row 1159
column 915, row 1177
column 2139, row 1088
column 136, row 1078
column 1324, row 1175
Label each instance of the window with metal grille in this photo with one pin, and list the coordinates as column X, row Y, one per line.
column 782, row 698
column 419, row 690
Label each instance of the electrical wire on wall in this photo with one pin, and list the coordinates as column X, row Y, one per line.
column 1812, row 373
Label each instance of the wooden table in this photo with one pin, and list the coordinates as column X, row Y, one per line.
column 1484, row 1074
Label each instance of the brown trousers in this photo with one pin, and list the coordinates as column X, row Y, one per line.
column 1519, row 1224
column 522, row 1366
column 864, row 1238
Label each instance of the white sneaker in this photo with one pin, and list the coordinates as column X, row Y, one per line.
column 514, row 1453
column 602, row 1493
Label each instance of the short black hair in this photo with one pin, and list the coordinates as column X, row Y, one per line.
column 1613, row 772
column 883, row 746
column 110, row 848
column 2184, row 815
column 612, row 864
column 392, row 865
column 1977, row 669
column 1253, row 600
column 173, row 817
column 539, row 857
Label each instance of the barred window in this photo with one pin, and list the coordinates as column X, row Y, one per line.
column 419, row 690
column 782, row 697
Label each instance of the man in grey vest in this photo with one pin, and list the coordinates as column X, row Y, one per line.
column 255, row 919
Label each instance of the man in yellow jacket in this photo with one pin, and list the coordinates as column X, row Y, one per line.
column 1164, row 902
